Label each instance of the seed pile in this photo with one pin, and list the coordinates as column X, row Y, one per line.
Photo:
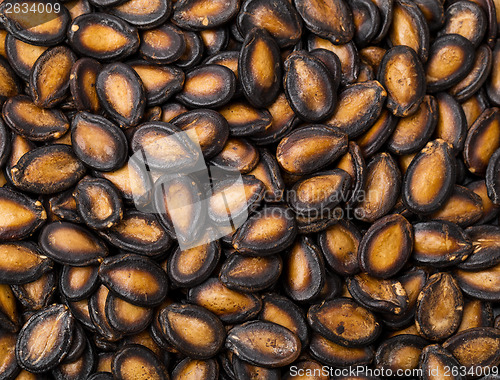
column 364, row 229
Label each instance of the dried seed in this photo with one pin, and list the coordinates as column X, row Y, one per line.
column 143, row 14
column 463, row 207
column 269, row 231
column 413, row 132
column 308, row 86
column 78, row 283
column 367, row 20
column 9, row 83
column 45, row 339
column 429, row 179
column 71, row 244
column 490, row 210
column 198, row 369
column 32, row 122
column 21, row 215
column 244, row 370
column 126, row 317
column 121, row 93
column 103, row 37
column 78, row 345
column 47, row 169
column 249, row 342
column 9, row 366
column 82, row 81
column 333, row 354
column 80, row 368
column 476, row 314
column 163, row 45
column 440, row 244
column 203, row 14
column 214, row 40
column 171, row 110
column 481, row 284
column 193, row 53
column 229, row 305
column 97, row 314
column 98, row 203
column 439, row 307
column 386, row 296
column 307, row 149
column 358, row 106
column 38, row 294
column 375, row 137
column 21, row 55
column 452, row 124
column 22, row 263
column 9, row 316
column 403, row 97
column 134, row 278
column 436, row 358
column 486, row 248
column 244, row 120
column 338, row 320
column 467, row 19
column 493, row 178
column 134, row 361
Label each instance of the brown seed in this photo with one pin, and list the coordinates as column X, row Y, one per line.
column 403, row 97
column 482, row 284
column 268, row 172
column 452, row 124
column 439, row 307
column 78, row 283
column 38, row 294
column 197, row 369
column 82, row 81
column 141, row 13
column 245, row 120
column 96, row 308
column 367, row 20
column 9, row 84
column 22, row 263
column 244, row 370
column 335, row 355
column 9, row 316
column 436, row 358
column 71, row 244
column 24, row 55
column 126, row 317
column 466, row 19
column 338, row 320
column 400, row 353
column 374, row 138
column 193, row 52
column 486, row 247
column 45, row 339
column 307, row 149
column 493, row 178
column 463, row 207
column 249, row 342
column 164, row 45
column 203, row 14
column 229, row 305
column 8, row 361
column 490, row 210
column 134, row 361
column 476, row 314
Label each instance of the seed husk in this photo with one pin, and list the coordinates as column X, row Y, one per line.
column 248, row 342
column 133, row 360
column 126, row 317
column 9, row 83
column 439, row 307
column 476, row 314
column 202, row 369
column 493, row 178
column 45, row 339
column 466, row 19
column 452, row 124
column 143, row 14
column 193, row 53
column 333, row 354
column 82, row 81
column 485, row 248
column 10, row 368
column 436, row 358
column 367, row 20
column 400, row 353
column 134, row 278
column 22, row 262
column 338, row 320
column 21, row 55
column 375, row 137
column 268, row 172
column 37, row 294
column 481, row 284
column 244, row 370
column 96, row 310
column 164, row 45
column 188, row 14
column 245, row 120
column 463, row 207
column 78, row 283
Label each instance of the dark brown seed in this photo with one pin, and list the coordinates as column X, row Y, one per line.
column 135, row 361
column 78, row 7
column 32, row 122
column 103, row 37
column 493, row 178
column 307, row 149
column 78, row 345
column 214, row 40
column 309, row 86
column 332, row 354
column 353, row 163
column 492, row 85
column 332, row 63
column 385, row 296
column 268, row 172
column 21, row 215
column 367, row 20
column 192, row 330
column 269, row 231
column 375, row 137
column 386, row 9
column 160, row 82
column 282, row 311
column 475, row 349
column 474, row 107
column 475, row 79
column 22, row 56
column 435, row 359
column 259, row 68
column 358, row 106
column 38, row 294
column 143, row 14
column 490, row 210
column 96, row 309
column 381, row 190
column 483, row 138
column 338, row 320
column 413, row 132
column 208, row 86
column 162, row 146
column 237, row 154
column 126, row 317
column 49, row 78
column 82, row 367
column 229, row 305
column 278, row 17
column 430, row 178
column 450, row 60
column 197, row 369
column 193, row 53
column 47, row 27
column 121, row 93
column 245, row 120
column 467, row 19
column 134, row 278
column 47, row 170
column 400, row 353
column 244, row 370
column 22, row 263
column 250, row 342
column 140, row 233
column 409, row 28
column 486, row 248
column 9, row 84
column 206, row 127
column 433, row 11
column 80, row 310
column 463, row 207
column 71, row 244
column 78, row 283
column 452, row 124
column 203, row 14
column 82, row 81
column 319, row 194
column 98, row 203
column 163, row 45
column 98, row 142
column 482, row 284
column 304, row 273
column 8, row 363
column 439, row 307
column 440, row 244
column 45, row 339
column 476, row 314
